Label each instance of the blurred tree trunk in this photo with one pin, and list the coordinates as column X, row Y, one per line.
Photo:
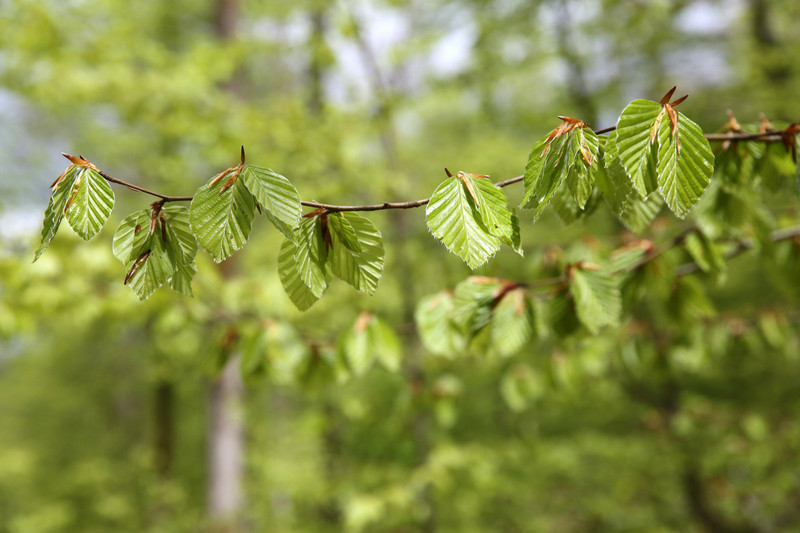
column 226, row 445
column 226, row 393
column 164, row 432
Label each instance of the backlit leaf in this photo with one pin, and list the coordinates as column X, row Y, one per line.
column 438, row 332
column 221, row 220
column 597, row 298
column 92, row 201
column 636, row 150
column 360, row 269
column 298, row 292
column 55, row 209
column 685, row 164
column 456, row 221
column 277, row 197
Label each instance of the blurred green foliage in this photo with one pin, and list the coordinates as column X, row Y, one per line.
column 685, row 418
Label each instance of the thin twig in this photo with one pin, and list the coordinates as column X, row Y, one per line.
column 743, row 246
column 136, row 188
column 771, row 136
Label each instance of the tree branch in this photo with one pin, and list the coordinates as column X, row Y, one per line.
column 772, row 136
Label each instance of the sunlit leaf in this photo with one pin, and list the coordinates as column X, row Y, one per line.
column 438, row 332
column 55, row 209
column 512, row 323
column 636, row 149
column 91, row 203
column 597, row 298
column 131, row 236
column 221, row 219
column 546, row 172
column 456, row 221
column 685, row 164
column 302, row 296
column 276, row 195
column 367, row 340
column 361, row 269
column 310, row 256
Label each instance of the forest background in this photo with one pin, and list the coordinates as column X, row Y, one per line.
column 232, row 411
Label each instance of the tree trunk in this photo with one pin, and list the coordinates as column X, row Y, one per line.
column 226, row 445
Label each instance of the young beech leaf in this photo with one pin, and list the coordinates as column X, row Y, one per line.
column 512, row 323
column 685, row 163
column 298, row 292
column 143, row 254
column 221, row 214
column 301, row 264
column 340, row 225
column 639, row 212
column 612, row 181
column 91, row 203
column 131, row 237
column 436, row 329
column 455, row 219
column 497, row 218
column 276, row 195
column 181, row 247
column 547, row 168
column 165, row 255
column 472, row 303
column 635, row 147
column 311, row 254
column 55, row 208
column 597, row 298
column 580, row 181
column 363, row 268
column 368, row 339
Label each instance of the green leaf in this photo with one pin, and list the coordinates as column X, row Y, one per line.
column 685, row 164
column 705, row 252
column 617, row 189
column 520, row 387
column 580, row 181
column 497, row 218
column 131, row 237
column 277, row 197
column 362, row 269
column 91, row 205
column 639, row 212
column 181, row 247
column 55, row 209
column 182, row 276
column 472, row 303
column 341, row 226
column 180, row 239
column 367, row 340
column 546, row 172
column 455, row 220
column 152, row 273
column 221, row 220
column 597, row 298
column 635, row 150
column 310, row 256
column 151, row 261
column 293, row 284
column 512, row 323
column 438, row 332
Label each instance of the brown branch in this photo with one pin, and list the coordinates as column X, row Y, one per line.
column 136, row 188
column 772, row 136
